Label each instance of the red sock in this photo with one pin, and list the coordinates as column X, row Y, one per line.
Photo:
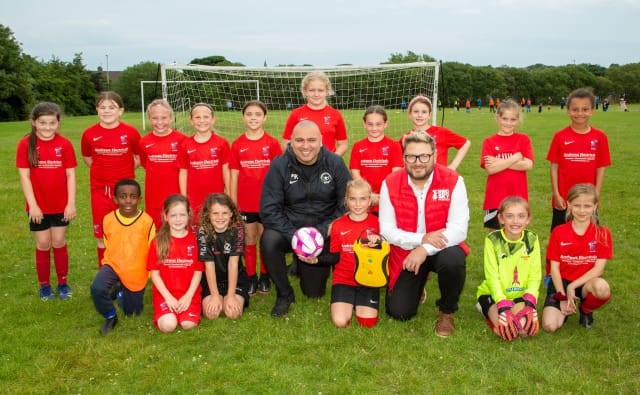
column 100, row 255
column 61, row 260
column 591, row 303
column 367, row 322
column 250, row 259
column 43, row 266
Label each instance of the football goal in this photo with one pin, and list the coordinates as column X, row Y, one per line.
column 227, row 89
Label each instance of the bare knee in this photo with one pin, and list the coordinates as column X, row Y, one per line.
column 167, row 323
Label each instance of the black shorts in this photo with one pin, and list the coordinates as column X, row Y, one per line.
column 48, row 221
column 223, row 288
column 549, row 302
column 486, row 301
column 250, row 218
column 357, row 296
column 491, row 219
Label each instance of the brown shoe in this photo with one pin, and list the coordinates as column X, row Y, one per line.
column 444, row 325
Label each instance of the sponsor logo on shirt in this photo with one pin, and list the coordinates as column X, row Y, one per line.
column 385, row 150
column 327, row 119
column 565, row 243
column 124, row 140
column 569, row 142
column 97, row 138
column 58, row 152
column 440, row 194
column 149, row 145
column 594, row 144
column 214, row 152
column 592, row 246
column 266, row 152
column 325, row 178
column 362, row 150
column 174, row 146
column 191, row 151
column 293, row 178
column 345, row 232
column 243, row 149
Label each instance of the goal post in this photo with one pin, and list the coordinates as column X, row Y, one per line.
column 228, row 88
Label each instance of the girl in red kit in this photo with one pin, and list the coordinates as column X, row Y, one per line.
column 175, row 269
column 110, row 149
column 203, row 159
column 377, row 155
column 250, row 159
column 315, row 88
column 159, row 157
column 346, row 294
column 46, row 164
column 578, row 252
column 419, row 112
column 506, row 157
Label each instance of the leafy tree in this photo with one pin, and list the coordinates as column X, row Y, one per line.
column 214, row 60
column 410, row 57
column 128, row 84
column 626, row 80
column 16, row 94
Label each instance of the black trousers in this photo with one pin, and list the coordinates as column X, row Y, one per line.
column 313, row 278
column 132, row 302
column 449, row 264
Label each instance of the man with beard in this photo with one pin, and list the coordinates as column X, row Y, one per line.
column 424, row 214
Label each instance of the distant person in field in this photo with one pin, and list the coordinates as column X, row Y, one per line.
column 424, row 214
column 315, row 88
column 467, row 106
column 128, row 232
column 159, row 158
column 512, row 270
column 375, row 156
column 346, row 295
column 492, row 105
column 528, row 105
column 111, row 150
column 225, row 285
column 303, row 187
column 175, row 269
column 578, row 153
column 46, row 163
column 479, row 103
column 506, row 157
column 203, row 159
column 420, row 109
column 250, row 159
column 578, row 251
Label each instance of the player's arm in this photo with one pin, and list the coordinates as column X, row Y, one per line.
column 233, row 185
column 185, row 300
column 494, row 165
column 599, row 178
column 158, row 282
column 596, row 271
column 462, row 152
column 70, row 208
column 88, row 160
column 558, row 202
column 182, row 181
column 492, row 271
column 226, row 176
column 35, row 213
column 341, row 147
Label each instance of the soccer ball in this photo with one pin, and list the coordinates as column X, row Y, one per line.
column 307, row 242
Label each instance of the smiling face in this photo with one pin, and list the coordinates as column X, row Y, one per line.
column 579, row 111
column 46, row 126
column 202, row 119
column 375, row 126
column 419, row 171
column 582, row 208
column 177, row 216
column 514, row 219
column 160, row 119
column 220, row 217
column 358, row 200
column 127, row 198
column 254, row 118
column 316, row 94
column 420, row 113
column 306, row 142
column 507, row 121
column 109, row 113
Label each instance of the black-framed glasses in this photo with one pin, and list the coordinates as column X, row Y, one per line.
column 424, row 158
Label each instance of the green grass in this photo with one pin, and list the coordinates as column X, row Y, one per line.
column 55, row 347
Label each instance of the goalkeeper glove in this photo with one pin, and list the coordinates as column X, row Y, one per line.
column 530, row 313
column 507, row 328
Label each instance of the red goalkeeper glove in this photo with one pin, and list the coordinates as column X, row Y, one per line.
column 530, row 313
column 507, row 328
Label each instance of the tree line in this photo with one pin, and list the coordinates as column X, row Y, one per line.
column 25, row 80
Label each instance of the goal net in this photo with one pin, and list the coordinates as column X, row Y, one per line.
column 227, row 89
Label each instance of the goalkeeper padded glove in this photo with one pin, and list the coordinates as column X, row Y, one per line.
column 507, row 328
column 530, row 313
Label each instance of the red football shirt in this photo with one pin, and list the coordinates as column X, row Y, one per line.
column 344, row 232
column 328, row 119
column 177, row 269
column 444, row 139
column 375, row 160
column 507, row 182
column 578, row 254
column 578, row 156
column 252, row 158
column 203, row 162
column 112, row 152
column 159, row 157
column 49, row 177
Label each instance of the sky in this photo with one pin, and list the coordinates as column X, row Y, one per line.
column 117, row 34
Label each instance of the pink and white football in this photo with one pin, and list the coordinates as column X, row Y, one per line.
column 307, row 242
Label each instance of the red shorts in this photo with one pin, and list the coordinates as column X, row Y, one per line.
column 101, row 204
column 191, row 314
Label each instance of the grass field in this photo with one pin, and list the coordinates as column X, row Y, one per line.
column 55, row 347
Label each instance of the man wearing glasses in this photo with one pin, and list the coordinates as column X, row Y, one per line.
column 424, row 214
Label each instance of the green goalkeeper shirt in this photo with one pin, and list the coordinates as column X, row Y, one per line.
column 511, row 267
